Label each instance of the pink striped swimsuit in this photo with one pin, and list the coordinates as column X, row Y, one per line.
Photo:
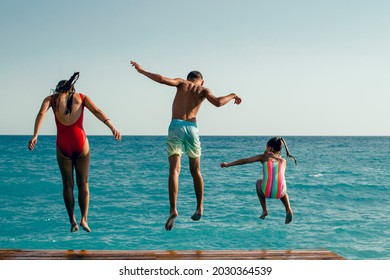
column 274, row 183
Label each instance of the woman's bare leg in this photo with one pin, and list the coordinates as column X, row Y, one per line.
column 82, row 172
column 66, row 167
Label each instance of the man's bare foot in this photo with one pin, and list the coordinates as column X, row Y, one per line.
column 289, row 217
column 171, row 220
column 84, row 225
column 264, row 214
column 197, row 215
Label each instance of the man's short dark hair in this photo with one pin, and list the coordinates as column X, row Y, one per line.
column 194, row 75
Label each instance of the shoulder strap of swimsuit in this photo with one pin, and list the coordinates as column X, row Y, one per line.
column 82, row 96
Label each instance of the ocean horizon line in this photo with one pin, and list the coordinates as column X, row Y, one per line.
column 211, row 135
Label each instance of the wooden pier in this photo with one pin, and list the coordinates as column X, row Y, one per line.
column 321, row 254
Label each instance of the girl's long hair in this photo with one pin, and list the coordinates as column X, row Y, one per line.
column 66, row 86
column 276, row 144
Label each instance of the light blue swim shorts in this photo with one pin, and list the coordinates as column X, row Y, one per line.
column 183, row 135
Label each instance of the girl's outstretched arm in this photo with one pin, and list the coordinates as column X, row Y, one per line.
column 102, row 116
column 38, row 122
column 243, row 161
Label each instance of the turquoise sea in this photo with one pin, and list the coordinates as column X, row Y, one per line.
column 339, row 191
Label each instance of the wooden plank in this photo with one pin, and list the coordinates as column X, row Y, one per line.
column 320, row 254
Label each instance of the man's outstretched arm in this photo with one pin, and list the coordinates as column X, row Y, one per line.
column 156, row 77
column 220, row 101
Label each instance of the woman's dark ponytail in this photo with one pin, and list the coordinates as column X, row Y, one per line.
column 68, row 86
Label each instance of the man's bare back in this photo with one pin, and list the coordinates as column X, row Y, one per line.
column 187, row 102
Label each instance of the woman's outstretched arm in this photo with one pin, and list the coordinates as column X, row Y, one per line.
column 102, row 116
column 46, row 104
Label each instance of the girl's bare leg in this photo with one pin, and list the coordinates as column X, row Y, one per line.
column 262, row 200
column 289, row 213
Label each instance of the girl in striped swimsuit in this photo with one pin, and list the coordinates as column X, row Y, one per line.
column 273, row 184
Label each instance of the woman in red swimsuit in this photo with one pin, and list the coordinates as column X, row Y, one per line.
column 72, row 143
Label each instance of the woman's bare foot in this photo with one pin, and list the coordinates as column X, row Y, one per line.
column 74, row 227
column 84, row 225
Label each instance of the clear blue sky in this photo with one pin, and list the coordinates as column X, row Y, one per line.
column 301, row 67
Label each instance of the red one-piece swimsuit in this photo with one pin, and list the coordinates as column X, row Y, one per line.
column 71, row 138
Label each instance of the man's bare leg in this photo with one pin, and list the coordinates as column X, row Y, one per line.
column 173, row 187
column 66, row 167
column 82, row 173
column 198, row 187
column 262, row 200
column 289, row 213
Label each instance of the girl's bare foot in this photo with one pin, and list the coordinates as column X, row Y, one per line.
column 264, row 214
column 289, row 217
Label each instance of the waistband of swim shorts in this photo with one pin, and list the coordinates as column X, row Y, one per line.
column 183, row 122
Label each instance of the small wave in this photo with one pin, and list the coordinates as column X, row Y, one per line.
column 316, row 175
